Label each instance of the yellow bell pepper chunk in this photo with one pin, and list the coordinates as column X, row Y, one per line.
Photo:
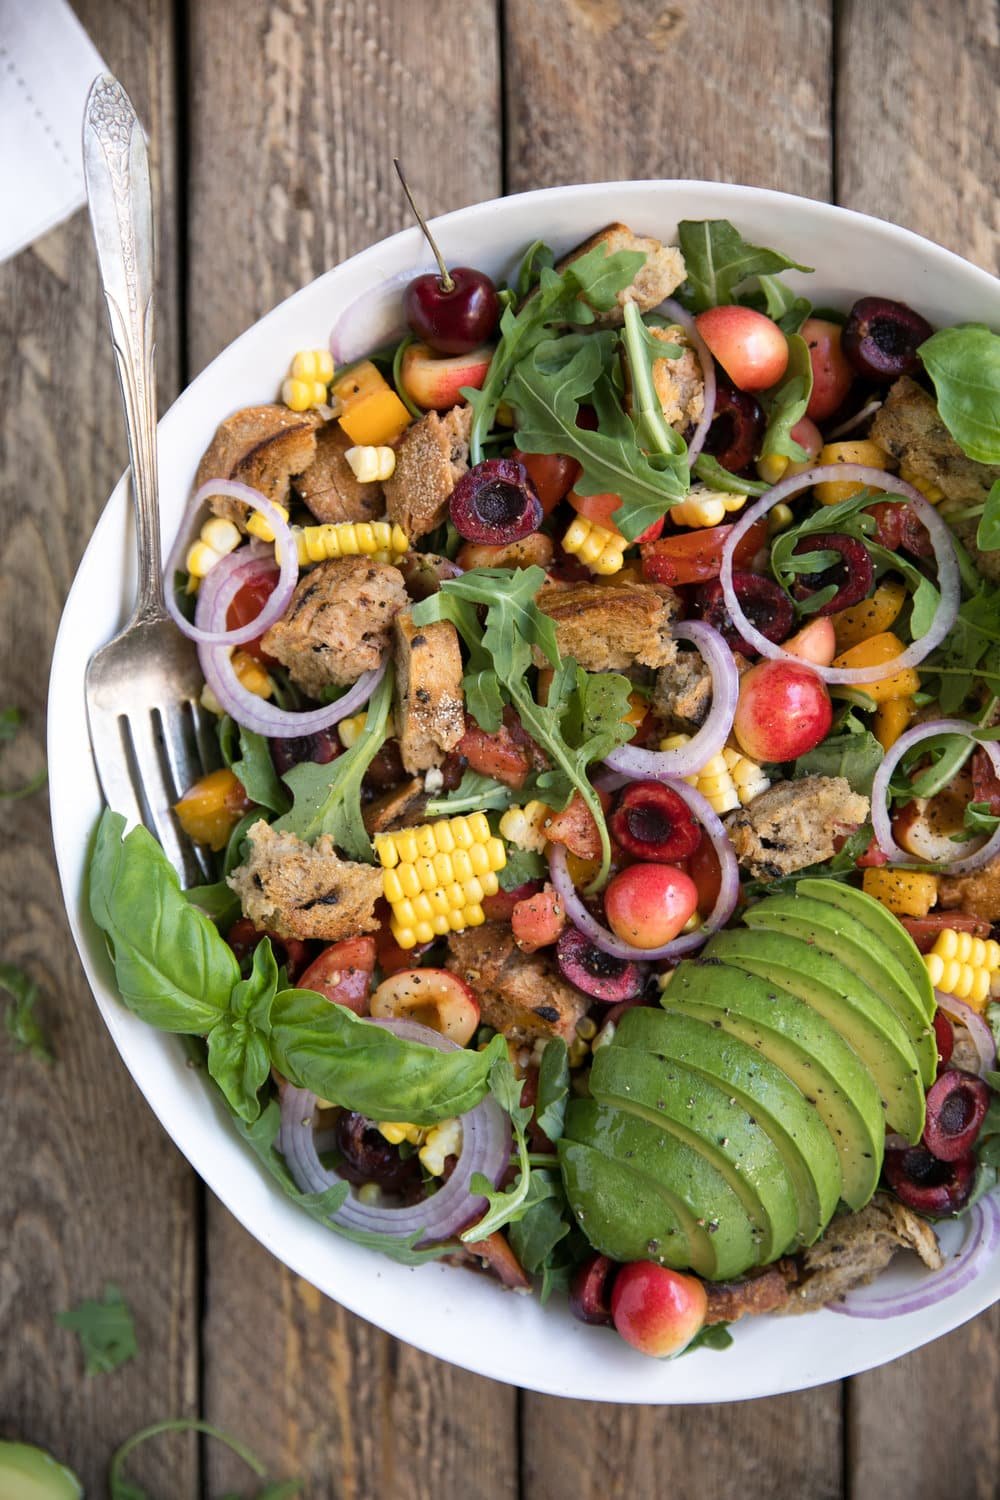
column 892, row 718
column 873, row 653
column 370, row 412
column 859, row 451
column 870, row 617
column 211, row 808
column 908, row 893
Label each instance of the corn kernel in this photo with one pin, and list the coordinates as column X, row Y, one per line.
column 398, row 1131
column 441, row 1141
column 601, row 550
column 524, row 827
column 251, row 674
column 779, row 518
column 704, row 507
column 258, row 525
column 217, row 538
column 931, row 492
column 370, row 465
column 313, row 364
column 349, row 731
column 964, row 966
column 437, row 876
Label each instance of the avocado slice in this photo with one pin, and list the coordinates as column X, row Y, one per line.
column 777, row 1105
column 830, row 930
column 623, row 1213
column 873, row 915
column 723, row 1241
column 677, row 1099
column 854, row 1010
column 29, row 1473
column 807, row 1049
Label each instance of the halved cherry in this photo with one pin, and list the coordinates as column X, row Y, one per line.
column 434, row 997
column 736, row 430
column 495, row 502
column 343, row 973
column 881, row 338
column 985, row 782
column 366, row 1155
column 595, row 972
column 552, row 474
column 898, row 525
column 590, row 1290
column 944, row 1038
column 653, row 823
column 853, row 574
column 956, row 1107
column 765, row 605
column 927, row 1184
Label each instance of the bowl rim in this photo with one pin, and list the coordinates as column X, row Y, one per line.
column 359, row 1300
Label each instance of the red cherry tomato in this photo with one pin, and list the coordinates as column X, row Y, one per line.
column 575, row 828
column 246, row 606
column 873, row 857
column 985, row 782
column 832, row 372
column 925, row 930
column 500, row 908
column 749, row 346
column 601, row 508
column 696, row 556
column 505, row 756
column 343, row 973
column 552, row 474
column 899, row 526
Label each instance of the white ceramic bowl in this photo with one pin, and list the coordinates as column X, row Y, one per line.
column 461, row 1317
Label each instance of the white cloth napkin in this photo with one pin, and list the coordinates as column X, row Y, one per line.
column 47, row 64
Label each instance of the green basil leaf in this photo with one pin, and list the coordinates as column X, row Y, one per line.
column 173, row 968
column 964, row 365
column 553, row 1088
column 717, row 259
column 988, row 530
column 712, row 1336
column 239, row 1061
column 255, row 770
column 105, row 1330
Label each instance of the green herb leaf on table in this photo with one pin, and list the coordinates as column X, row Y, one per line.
column 718, row 260
column 11, row 720
column 553, row 1088
column 988, row 531
column 120, row 1488
column 964, row 366
column 504, row 1207
column 787, row 405
column 22, row 1024
column 105, row 1330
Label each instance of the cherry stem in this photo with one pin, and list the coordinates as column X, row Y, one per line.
column 447, row 284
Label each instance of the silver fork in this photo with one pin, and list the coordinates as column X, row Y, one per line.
column 151, row 737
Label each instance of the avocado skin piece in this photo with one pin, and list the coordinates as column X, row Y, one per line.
column 29, row 1473
column 880, row 921
column 867, row 1024
column 807, row 1049
column 726, row 1249
column 762, row 1088
column 623, row 1214
column 676, row 1099
column 835, row 932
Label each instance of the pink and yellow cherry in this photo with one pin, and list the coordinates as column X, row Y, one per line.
column 783, row 711
column 455, row 311
column 656, row 1310
column 815, row 642
column 435, row 382
column 832, row 372
column 750, row 347
column 647, row 905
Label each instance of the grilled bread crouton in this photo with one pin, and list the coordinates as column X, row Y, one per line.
column 794, row 824
column 661, row 275
column 430, row 708
column 764, row 1291
column 304, row 891
column 909, row 427
column 856, row 1247
column 264, row 446
column 402, row 806
column 977, row 894
column 328, row 487
column 610, row 630
column 519, row 995
column 431, row 458
column 679, row 383
column 338, row 623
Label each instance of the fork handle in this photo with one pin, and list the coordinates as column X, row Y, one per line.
column 116, row 169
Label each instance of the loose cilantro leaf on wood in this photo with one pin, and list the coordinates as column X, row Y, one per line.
column 22, row 1024
column 120, row 1488
column 964, row 365
column 10, row 722
column 718, row 259
column 105, row 1330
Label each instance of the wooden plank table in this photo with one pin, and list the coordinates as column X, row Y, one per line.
column 272, row 128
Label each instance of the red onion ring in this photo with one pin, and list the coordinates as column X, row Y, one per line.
column 881, row 822
column 274, row 607
column 725, row 905
column 981, row 1240
column 853, row 423
column 683, row 317
column 979, row 1031
column 485, row 1148
column 245, row 707
column 360, row 328
column 657, row 765
column 944, row 553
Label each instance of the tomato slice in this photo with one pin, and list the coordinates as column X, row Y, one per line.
column 552, row 474
column 246, row 606
column 696, row 556
column 600, row 508
column 343, row 973
column 706, row 872
column 924, row 930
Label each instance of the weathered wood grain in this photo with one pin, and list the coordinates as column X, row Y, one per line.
column 627, row 89
column 91, row 1188
column 917, row 139
column 291, row 170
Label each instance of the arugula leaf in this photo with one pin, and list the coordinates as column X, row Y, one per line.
column 105, row 1330
column 255, row 770
column 10, row 722
column 23, row 1026
column 503, row 1207
column 979, row 819
column 120, row 1488
column 781, row 303
column 553, row 1088
column 856, row 755
column 971, row 651
column 327, row 799
column 718, row 260
column 642, row 351
column 712, row 1336
column 544, row 1223
column 787, row 405
column 238, row 1056
column 988, row 530
column 537, row 256
column 173, row 968
column 474, row 793
column 711, row 473
column 964, row 365
column 522, row 865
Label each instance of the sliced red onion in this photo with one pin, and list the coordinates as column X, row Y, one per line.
column 372, row 320
column 979, row 1031
column 881, row 822
column 683, row 317
column 725, row 905
column 944, row 553
column 485, row 1148
column 245, row 707
column 981, row 1240
column 274, row 607
column 853, row 423
column 687, row 760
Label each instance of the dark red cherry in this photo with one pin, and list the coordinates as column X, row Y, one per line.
column 881, row 338
column 320, row 748
column 765, row 605
column 653, row 823
column 926, row 1184
column 495, row 503
column 956, row 1108
column 596, row 972
column 452, row 319
column 944, row 1038
column 366, row 1155
column 852, row 574
column 736, row 430
column 590, row 1290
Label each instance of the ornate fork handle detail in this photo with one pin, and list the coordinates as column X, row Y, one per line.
column 116, row 169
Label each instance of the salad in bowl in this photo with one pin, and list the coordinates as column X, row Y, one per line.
column 602, row 855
